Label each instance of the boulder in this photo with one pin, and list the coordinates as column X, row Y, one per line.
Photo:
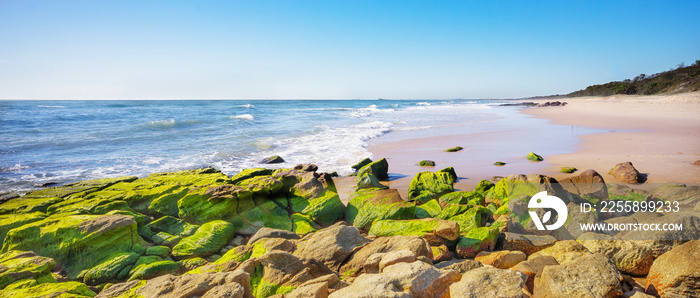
column 563, row 251
column 687, row 196
column 441, row 253
column 187, row 285
column 361, row 164
column 503, row 259
column 568, row 170
column 629, row 256
column 30, row 288
column 534, row 157
column 460, row 266
column 676, row 273
column 484, row 186
column 369, row 205
column 528, row 244
column 575, row 219
column 272, row 159
column 265, row 233
column 17, row 265
column 660, row 241
column 379, row 168
column 282, row 272
column 332, row 245
column 592, row 275
column 625, row 173
column 475, row 241
column 416, row 279
column 463, row 198
column 489, row 282
column 588, row 185
column 209, row 239
column 355, row 263
column 435, row 231
column 426, row 186
column 426, row 163
column 368, row 181
column 533, row 267
column 454, row 149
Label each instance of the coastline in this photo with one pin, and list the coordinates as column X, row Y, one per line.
column 656, row 133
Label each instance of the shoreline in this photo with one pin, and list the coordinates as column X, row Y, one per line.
column 656, row 133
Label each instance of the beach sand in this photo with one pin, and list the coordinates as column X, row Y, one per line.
column 658, row 134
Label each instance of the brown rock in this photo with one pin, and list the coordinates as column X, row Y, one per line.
column 355, row 263
column 331, row 245
column 265, row 232
column 593, row 275
column 533, row 268
column 460, row 266
column 563, row 251
column 187, row 285
column 489, row 282
column 629, row 256
column 528, row 244
column 625, row 173
column 677, row 272
column 503, row 259
column 398, row 256
column 697, row 162
column 232, row 290
column 441, row 253
column 588, row 184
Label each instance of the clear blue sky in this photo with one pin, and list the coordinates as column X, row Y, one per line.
column 335, row 49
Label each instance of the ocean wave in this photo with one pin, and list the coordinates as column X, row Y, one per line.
column 247, row 106
column 163, row 123
column 45, row 106
column 423, row 103
column 247, row 117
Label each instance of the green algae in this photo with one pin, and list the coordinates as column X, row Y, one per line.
column 412, row 227
column 568, row 170
column 426, row 163
column 161, row 251
column 113, row 269
column 430, row 209
column 11, row 221
column 155, row 269
column 484, row 186
column 250, row 173
column 27, row 205
column 454, row 149
column 426, row 186
column 369, row 205
column 303, row 224
column 534, row 157
column 462, row 197
column 17, row 265
column 209, row 239
column 58, row 289
column 361, row 164
column 379, row 168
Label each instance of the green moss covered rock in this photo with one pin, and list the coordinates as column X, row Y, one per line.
column 454, row 149
column 426, row 186
column 379, row 168
column 426, row 163
column 369, row 205
column 155, row 269
column 18, row 265
column 484, row 186
column 209, row 239
column 272, row 159
column 48, row 289
column 435, row 231
column 534, row 157
column 11, row 221
column 361, row 164
column 368, row 181
column 568, row 170
column 499, row 163
column 462, row 197
column 113, row 269
column 476, row 240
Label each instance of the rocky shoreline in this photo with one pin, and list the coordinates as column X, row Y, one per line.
column 285, row 233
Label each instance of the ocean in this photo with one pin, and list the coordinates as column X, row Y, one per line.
column 56, row 142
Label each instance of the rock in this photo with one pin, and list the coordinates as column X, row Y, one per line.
column 232, row 290
column 592, row 275
column 354, row 264
column 625, row 173
column 332, row 245
column 209, row 239
column 187, row 285
column 528, row 244
column 30, row 288
column 265, row 233
column 568, row 170
column 441, row 253
column 533, row 267
column 460, row 266
column 534, row 157
column 426, row 186
column 114, row 269
column 395, row 257
column 576, row 218
column 282, row 272
column 415, row 279
column 686, row 196
column 379, row 168
column 462, row 197
column 563, row 251
column 676, row 273
column 11, row 221
column 426, row 163
column 368, row 181
column 499, row 163
column 370, row 205
column 361, row 164
column 484, row 186
column 476, row 240
column 629, row 256
column 454, row 149
column 154, row 269
column 503, row 259
column 517, row 187
column 660, row 241
column 272, row 159
column 66, row 237
column 317, row 288
column 697, row 162
column 17, row 265
column 489, row 282
column 435, row 231
column 587, row 185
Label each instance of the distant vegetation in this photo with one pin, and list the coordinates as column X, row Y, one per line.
column 681, row 79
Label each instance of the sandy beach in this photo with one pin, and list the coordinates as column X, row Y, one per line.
column 658, row 134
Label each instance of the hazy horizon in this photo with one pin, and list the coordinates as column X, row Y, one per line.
column 249, row 50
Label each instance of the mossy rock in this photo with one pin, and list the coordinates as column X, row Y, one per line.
column 325, row 210
column 436, row 231
column 11, row 221
column 379, row 168
column 369, row 205
column 467, row 217
column 499, row 163
column 534, row 157
column 451, row 172
column 361, row 164
column 27, row 205
column 48, row 289
column 172, row 226
column 427, row 210
column 77, row 188
column 209, row 239
column 191, row 264
column 78, row 242
column 426, row 163
column 454, row 149
column 303, row 224
column 17, row 265
column 113, row 269
column 484, row 186
column 250, row 173
column 426, row 186
column 477, row 240
column 272, row 159
column 462, row 197
column 368, row 181
column 161, row 251
column 155, row 269
column 568, row 170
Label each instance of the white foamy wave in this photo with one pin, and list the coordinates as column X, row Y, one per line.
column 247, row 106
column 364, row 112
column 247, row 117
column 264, row 144
column 44, row 106
column 162, row 123
column 423, row 103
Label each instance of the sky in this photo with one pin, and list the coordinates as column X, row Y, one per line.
column 335, row 49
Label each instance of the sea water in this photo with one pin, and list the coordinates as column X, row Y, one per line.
column 55, row 142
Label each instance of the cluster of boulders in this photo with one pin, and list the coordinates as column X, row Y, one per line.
column 285, row 233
